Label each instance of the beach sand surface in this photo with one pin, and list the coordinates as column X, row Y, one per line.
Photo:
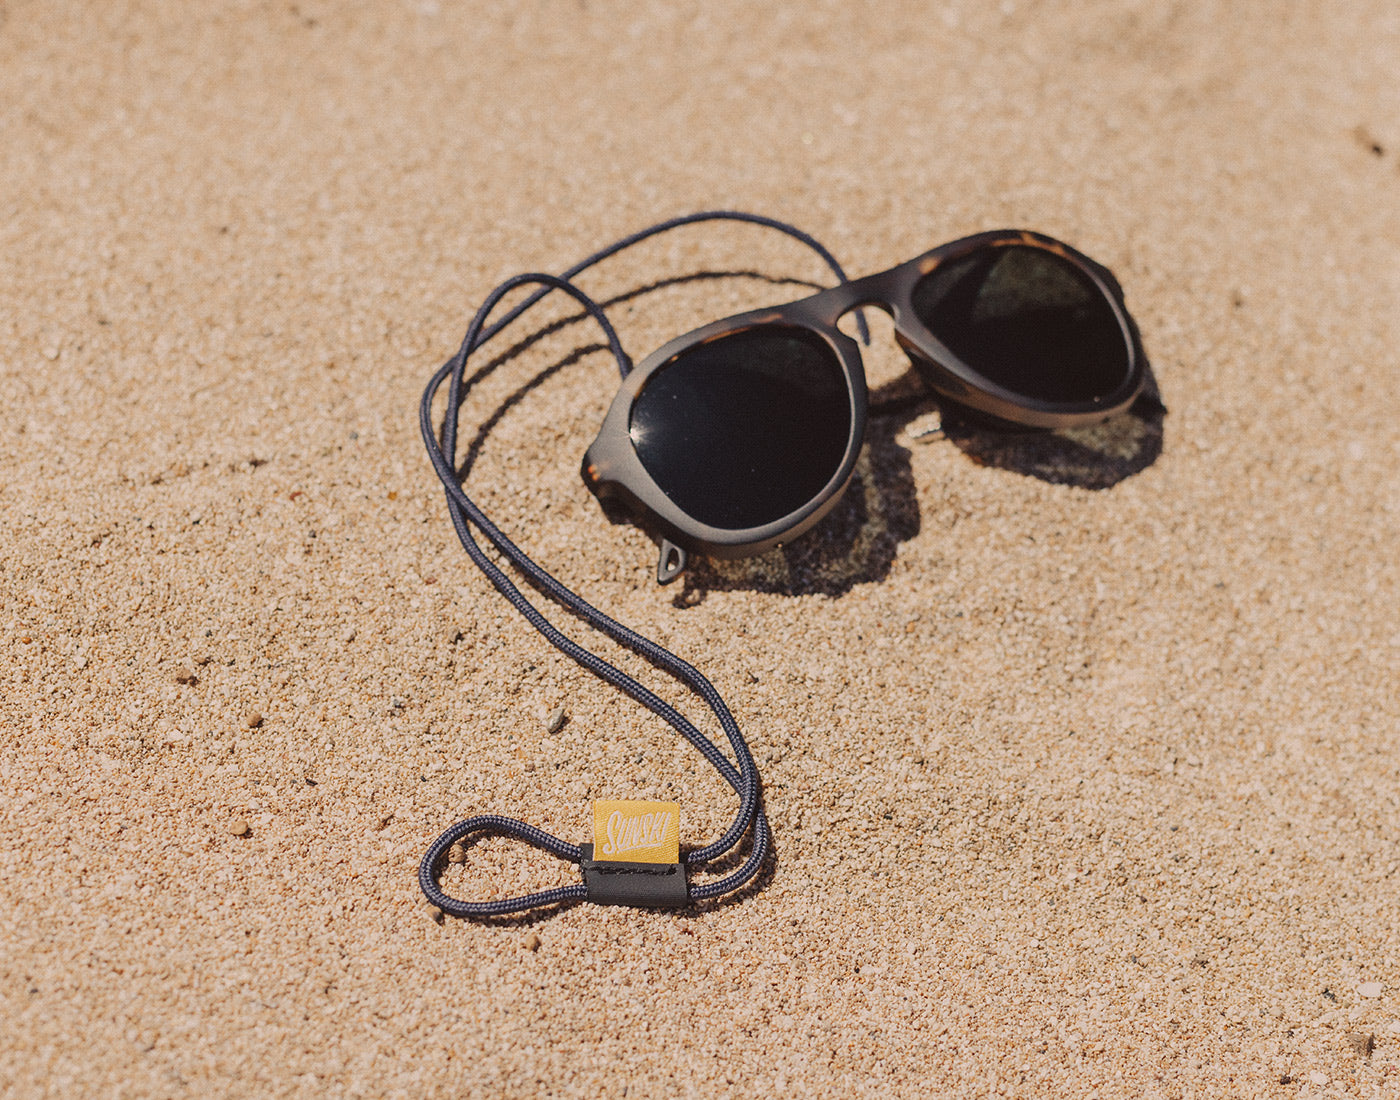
column 1081, row 751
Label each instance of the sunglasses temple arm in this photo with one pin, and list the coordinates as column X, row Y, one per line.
column 672, row 562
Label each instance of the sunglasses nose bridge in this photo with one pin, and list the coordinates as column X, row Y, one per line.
column 828, row 307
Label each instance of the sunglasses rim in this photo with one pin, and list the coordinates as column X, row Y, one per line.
column 951, row 376
column 612, row 469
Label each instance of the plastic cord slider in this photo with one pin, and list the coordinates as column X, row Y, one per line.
column 651, row 885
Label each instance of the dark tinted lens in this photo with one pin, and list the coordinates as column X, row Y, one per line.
column 1028, row 320
column 745, row 429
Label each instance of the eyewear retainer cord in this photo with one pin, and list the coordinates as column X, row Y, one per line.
column 465, row 514
column 675, row 223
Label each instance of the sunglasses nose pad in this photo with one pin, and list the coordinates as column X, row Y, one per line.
column 672, row 562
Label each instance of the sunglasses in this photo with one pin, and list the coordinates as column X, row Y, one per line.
column 744, row 433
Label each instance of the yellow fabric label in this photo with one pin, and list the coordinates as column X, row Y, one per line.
column 637, row 832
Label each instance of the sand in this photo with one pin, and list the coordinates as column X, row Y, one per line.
column 1080, row 753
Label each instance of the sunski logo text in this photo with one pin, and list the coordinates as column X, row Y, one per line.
column 629, row 834
column 636, row 832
